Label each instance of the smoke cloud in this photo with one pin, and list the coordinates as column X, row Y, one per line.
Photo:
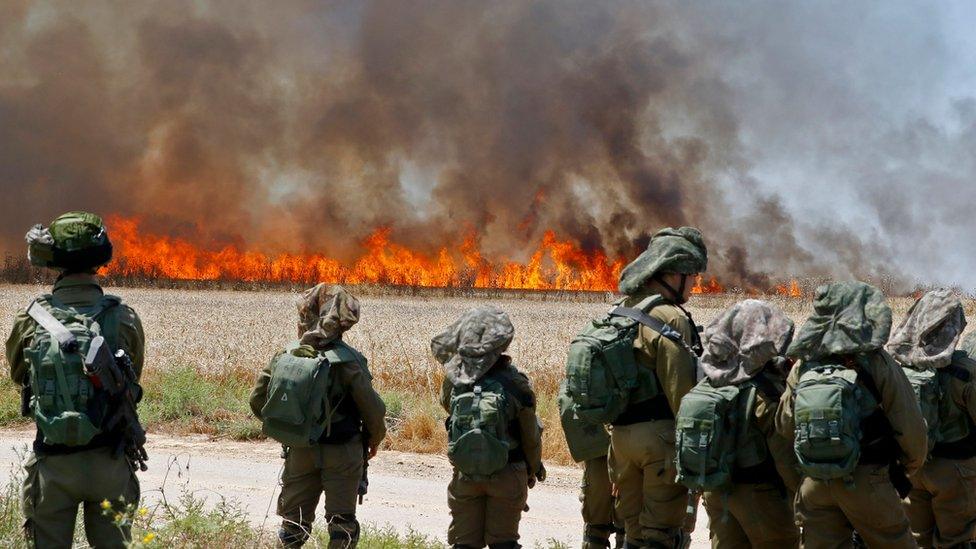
column 805, row 140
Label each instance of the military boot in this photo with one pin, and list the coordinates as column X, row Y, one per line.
column 343, row 531
column 597, row 536
column 292, row 536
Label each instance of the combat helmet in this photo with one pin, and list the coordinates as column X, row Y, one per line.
column 671, row 250
column 74, row 242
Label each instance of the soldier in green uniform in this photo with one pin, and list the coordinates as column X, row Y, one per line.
column 851, row 413
column 650, row 502
column 333, row 467
column 494, row 435
column 60, row 477
column 744, row 346
column 942, row 503
column 589, row 444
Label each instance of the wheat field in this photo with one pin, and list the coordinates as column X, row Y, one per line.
column 205, row 347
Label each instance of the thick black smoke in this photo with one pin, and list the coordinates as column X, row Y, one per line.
column 303, row 126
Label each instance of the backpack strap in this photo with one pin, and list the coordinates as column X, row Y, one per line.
column 38, row 310
column 656, row 324
column 768, row 389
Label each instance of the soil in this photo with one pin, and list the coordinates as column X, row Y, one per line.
column 406, row 491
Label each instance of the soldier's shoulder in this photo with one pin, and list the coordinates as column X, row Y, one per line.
column 671, row 314
column 518, row 383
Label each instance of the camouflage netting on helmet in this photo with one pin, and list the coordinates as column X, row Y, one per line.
column 671, row 250
column 470, row 346
column 929, row 334
column 848, row 318
column 324, row 313
column 743, row 339
column 75, row 242
column 969, row 344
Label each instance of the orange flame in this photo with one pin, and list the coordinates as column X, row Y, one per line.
column 791, row 290
column 711, row 287
column 554, row 265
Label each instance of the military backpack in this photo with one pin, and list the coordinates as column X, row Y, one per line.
column 66, row 404
column 828, row 408
column 947, row 422
column 715, row 435
column 478, row 441
column 602, row 374
column 301, row 402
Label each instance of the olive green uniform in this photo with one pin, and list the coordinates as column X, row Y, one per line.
column 758, row 514
column 596, row 495
column 334, row 467
column 828, row 512
column 942, row 503
column 488, row 511
column 650, row 502
column 60, row 479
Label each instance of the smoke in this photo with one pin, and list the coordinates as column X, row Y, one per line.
column 805, row 140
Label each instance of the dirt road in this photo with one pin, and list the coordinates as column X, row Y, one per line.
column 406, row 491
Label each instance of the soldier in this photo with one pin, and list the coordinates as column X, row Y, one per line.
column 650, row 502
column 494, row 436
column 73, row 462
column 851, row 414
column 942, row 503
column 333, row 459
column 589, row 444
column 744, row 348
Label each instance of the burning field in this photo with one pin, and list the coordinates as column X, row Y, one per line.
column 204, row 349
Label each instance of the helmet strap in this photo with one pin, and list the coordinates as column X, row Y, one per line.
column 678, row 296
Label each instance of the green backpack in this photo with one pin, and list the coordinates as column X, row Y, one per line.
column 602, row 374
column 299, row 410
column 828, row 407
column 715, row 434
column 65, row 404
column 586, row 440
column 945, row 420
column 478, row 441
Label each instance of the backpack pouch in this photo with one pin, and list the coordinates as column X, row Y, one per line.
column 827, row 417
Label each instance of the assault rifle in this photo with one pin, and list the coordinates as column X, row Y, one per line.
column 115, row 375
column 364, row 480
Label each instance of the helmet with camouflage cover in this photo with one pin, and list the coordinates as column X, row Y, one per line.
column 848, row 318
column 671, row 250
column 928, row 336
column 74, row 242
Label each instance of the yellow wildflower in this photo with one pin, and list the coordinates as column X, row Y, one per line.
column 106, row 504
column 118, row 517
column 148, row 537
column 143, row 511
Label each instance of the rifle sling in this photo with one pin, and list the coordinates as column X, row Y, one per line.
column 655, row 324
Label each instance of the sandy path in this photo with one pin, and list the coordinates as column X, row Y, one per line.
column 407, row 491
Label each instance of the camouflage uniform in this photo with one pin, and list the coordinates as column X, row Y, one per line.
column 744, row 343
column 851, row 319
column 60, row 478
column 942, row 504
column 487, row 511
column 335, row 466
column 650, row 502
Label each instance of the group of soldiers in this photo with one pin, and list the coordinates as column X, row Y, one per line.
column 838, row 435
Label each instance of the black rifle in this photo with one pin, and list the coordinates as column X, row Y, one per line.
column 25, row 399
column 116, row 376
column 364, row 481
column 896, row 472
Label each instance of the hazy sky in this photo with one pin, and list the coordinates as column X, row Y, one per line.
column 827, row 138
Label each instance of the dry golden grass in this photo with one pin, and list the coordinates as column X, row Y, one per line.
column 204, row 348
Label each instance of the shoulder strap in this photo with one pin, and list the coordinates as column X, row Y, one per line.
column 339, row 353
column 869, row 382
column 40, row 313
column 768, row 389
column 655, row 324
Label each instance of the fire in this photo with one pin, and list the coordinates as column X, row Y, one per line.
column 711, row 287
column 790, row 290
column 554, row 265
